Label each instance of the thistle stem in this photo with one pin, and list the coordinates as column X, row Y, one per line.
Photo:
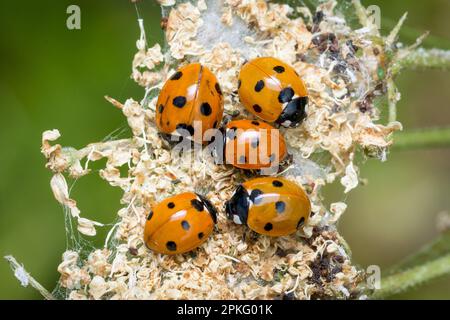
column 424, row 138
column 423, row 59
column 404, row 280
column 436, row 249
column 393, row 98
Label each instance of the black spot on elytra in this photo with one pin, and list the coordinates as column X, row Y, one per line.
column 286, row 95
column 300, row 223
column 198, row 205
column 279, row 69
column 179, row 102
column 268, row 226
column 150, row 215
column 277, row 183
column 256, row 123
column 255, row 196
column 259, row 85
column 160, row 108
column 257, row 108
column 272, row 157
column 231, row 133
column 181, row 127
column 177, row 76
column 171, row 246
column 280, row 206
column 218, row 89
column 205, row 109
column 200, row 235
column 171, row 205
column 185, row 225
column 242, row 160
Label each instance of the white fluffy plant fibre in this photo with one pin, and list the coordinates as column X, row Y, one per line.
column 234, row 32
column 341, row 68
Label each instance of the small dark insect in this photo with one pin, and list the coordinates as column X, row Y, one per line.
column 317, row 19
column 288, row 296
column 164, row 22
column 353, row 48
column 326, row 41
column 376, row 51
column 281, row 252
column 365, row 105
column 338, row 258
column 133, row 251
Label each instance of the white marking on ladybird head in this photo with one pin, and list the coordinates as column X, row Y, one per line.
column 237, row 219
column 286, row 123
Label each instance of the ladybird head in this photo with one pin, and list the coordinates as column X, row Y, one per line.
column 237, row 207
column 293, row 113
column 211, row 209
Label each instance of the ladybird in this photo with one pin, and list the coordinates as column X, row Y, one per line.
column 252, row 144
column 191, row 97
column 273, row 91
column 179, row 224
column 270, row 206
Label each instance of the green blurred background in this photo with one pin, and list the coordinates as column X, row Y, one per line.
column 51, row 77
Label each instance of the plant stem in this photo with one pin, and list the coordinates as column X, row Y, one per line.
column 438, row 248
column 422, row 59
column 360, row 12
column 104, row 146
column 393, row 98
column 424, row 138
column 25, row 278
column 402, row 281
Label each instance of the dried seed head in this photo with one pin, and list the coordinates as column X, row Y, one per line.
column 222, row 35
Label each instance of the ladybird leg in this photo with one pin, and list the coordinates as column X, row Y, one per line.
column 167, row 139
column 286, row 163
column 249, row 236
column 229, row 116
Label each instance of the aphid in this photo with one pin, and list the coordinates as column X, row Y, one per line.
column 252, row 144
column 191, row 96
column 273, row 91
column 164, row 23
column 179, row 224
column 269, row 206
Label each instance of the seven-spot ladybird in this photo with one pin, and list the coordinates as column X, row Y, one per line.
column 179, row 224
column 269, row 206
column 192, row 95
column 273, row 91
column 251, row 144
